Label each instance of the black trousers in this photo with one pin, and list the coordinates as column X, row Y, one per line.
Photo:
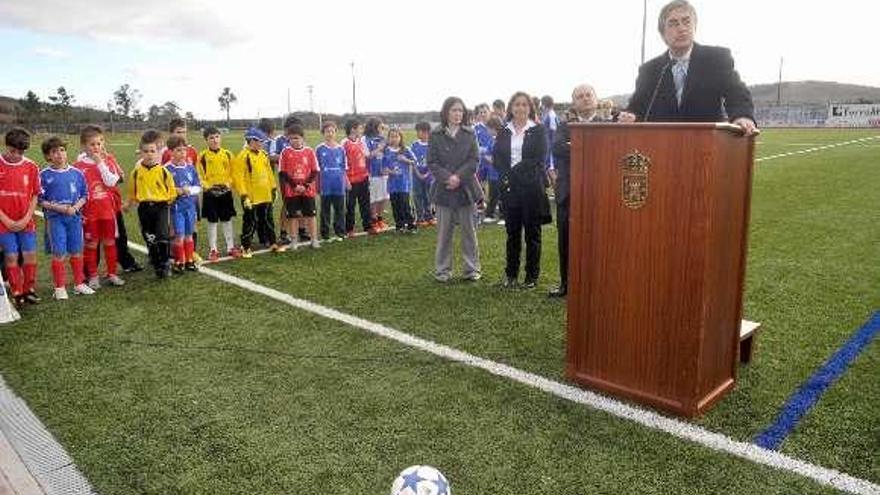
column 359, row 196
column 332, row 206
column 155, row 219
column 258, row 219
column 562, row 233
column 494, row 197
column 126, row 260
column 403, row 215
column 517, row 225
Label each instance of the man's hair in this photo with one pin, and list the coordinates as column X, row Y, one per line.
column 175, row 123
column 495, row 122
column 447, row 106
column 89, row 131
column 51, row 144
column 266, row 125
column 350, row 125
column 175, row 141
column 18, row 138
column 498, row 104
column 294, row 130
column 674, row 5
column 547, row 101
column 328, row 123
column 423, row 126
column 150, row 136
column 291, row 120
column 210, row 131
column 520, row 94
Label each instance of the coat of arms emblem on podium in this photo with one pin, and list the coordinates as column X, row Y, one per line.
column 634, row 181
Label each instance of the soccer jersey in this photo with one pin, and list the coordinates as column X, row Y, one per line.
column 185, row 176
column 19, row 185
column 374, row 162
column 215, row 168
column 62, row 186
column 104, row 199
column 400, row 177
column 252, row 176
column 331, row 162
column 551, row 123
column 301, row 168
column 192, row 155
column 356, row 159
column 419, row 150
column 151, row 184
column 485, row 145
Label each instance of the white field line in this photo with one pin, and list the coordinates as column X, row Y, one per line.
column 815, row 149
column 649, row 419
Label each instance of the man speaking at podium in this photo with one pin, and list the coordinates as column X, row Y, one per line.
column 691, row 82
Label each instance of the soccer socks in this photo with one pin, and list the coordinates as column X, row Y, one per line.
column 13, row 272
column 76, row 266
column 110, row 258
column 177, row 251
column 212, row 235
column 58, row 273
column 228, row 235
column 189, row 247
column 90, row 258
column 30, row 276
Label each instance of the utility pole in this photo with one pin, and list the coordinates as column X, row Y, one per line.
column 311, row 100
column 288, row 101
column 644, row 26
column 779, row 85
column 354, row 106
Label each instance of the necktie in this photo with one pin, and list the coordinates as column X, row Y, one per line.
column 679, row 72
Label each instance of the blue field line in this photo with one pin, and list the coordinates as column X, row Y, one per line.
column 809, row 393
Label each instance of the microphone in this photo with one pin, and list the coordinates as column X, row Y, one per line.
column 656, row 90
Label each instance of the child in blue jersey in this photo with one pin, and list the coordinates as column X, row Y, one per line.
column 398, row 163
column 378, row 178
column 63, row 194
column 334, row 183
column 422, row 178
column 490, row 175
column 183, row 210
column 551, row 123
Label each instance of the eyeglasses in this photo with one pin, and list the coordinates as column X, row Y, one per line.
column 675, row 23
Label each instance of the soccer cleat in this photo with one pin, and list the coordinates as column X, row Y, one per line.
column 31, row 297
column 83, row 289
column 315, row 244
column 234, row 252
column 135, row 267
column 177, row 268
column 247, row 254
column 500, row 222
column 530, row 283
column 197, row 258
column 374, row 230
column 489, row 220
column 508, row 282
column 19, row 301
column 94, row 283
column 191, row 266
column 60, row 294
column 115, row 280
column 214, row 256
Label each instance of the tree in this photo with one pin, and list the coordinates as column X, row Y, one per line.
column 189, row 117
column 126, row 99
column 62, row 100
column 170, row 110
column 153, row 113
column 137, row 115
column 226, row 100
column 32, row 107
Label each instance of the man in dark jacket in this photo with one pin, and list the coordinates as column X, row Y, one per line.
column 691, row 82
column 583, row 109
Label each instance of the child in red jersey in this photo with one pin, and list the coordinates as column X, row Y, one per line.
column 99, row 215
column 358, row 176
column 19, row 189
column 297, row 175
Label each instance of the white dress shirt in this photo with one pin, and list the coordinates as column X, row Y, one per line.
column 516, row 141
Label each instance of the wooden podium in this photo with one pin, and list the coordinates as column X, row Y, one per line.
column 657, row 256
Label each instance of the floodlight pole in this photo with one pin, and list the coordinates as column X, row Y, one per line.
column 644, row 26
column 354, row 107
column 779, row 85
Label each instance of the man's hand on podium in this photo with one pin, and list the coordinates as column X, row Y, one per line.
column 747, row 124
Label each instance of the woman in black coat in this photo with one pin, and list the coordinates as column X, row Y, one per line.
column 519, row 154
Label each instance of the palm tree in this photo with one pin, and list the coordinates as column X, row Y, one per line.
column 226, row 99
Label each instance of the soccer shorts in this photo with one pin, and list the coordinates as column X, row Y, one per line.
column 103, row 229
column 66, row 235
column 183, row 217
column 18, row 242
column 299, row 207
column 217, row 207
column 378, row 189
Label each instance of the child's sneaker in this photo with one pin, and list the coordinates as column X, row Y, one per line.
column 214, row 256
column 31, row 297
column 191, row 266
column 94, row 283
column 83, row 289
column 247, row 254
column 315, row 244
column 234, row 252
column 115, row 280
column 60, row 294
column 177, row 268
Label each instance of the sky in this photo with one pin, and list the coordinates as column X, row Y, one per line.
column 407, row 55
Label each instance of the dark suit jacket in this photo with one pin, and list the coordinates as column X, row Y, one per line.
column 562, row 157
column 713, row 91
column 524, row 185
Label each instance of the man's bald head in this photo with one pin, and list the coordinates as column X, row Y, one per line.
column 584, row 100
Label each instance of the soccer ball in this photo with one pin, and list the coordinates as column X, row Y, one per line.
column 420, row 480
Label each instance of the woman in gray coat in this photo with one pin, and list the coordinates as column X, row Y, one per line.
column 452, row 159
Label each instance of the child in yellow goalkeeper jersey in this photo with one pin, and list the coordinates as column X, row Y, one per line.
column 214, row 166
column 151, row 188
column 254, row 181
